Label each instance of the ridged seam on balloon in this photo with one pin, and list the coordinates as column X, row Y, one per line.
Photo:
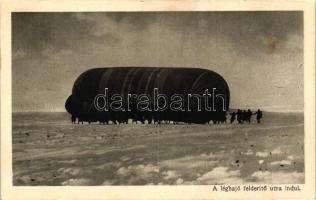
column 126, row 78
column 146, row 74
column 104, row 79
column 96, row 80
column 160, row 79
column 131, row 86
column 197, row 81
column 211, row 76
column 150, row 78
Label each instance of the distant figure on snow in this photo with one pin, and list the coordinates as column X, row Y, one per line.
column 244, row 116
column 233, row 117
column 259, row 115
column 239, row 116
column 249, row 113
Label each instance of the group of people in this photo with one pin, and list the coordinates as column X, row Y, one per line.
column 244, row 116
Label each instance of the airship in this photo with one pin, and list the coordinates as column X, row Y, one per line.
column 149, row 94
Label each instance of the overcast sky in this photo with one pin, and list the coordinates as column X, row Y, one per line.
column 260, row 54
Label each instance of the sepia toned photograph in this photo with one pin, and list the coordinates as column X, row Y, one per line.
column 157, row 98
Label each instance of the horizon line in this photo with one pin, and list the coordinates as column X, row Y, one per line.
column 64, row 111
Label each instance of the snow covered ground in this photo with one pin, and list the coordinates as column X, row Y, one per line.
column 49, row 150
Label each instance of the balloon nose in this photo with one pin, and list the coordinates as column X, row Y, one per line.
column 69, row 105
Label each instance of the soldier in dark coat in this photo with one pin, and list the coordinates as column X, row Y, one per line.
column 249, row 113
column 239, row 116
column 233, row 117
column 244, row 116
column 259, row 115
